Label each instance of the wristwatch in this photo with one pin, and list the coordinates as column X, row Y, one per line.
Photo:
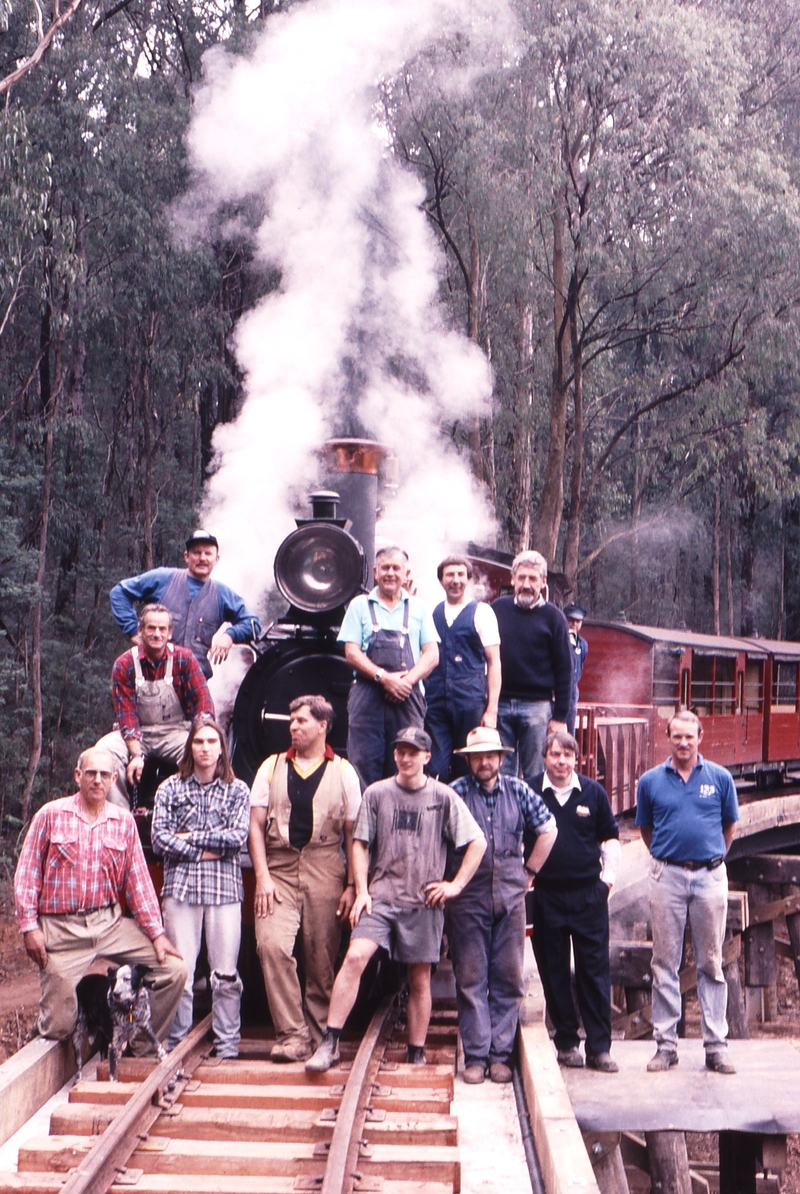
column 378, row 675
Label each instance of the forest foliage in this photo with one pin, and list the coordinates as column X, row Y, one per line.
column 618, row 206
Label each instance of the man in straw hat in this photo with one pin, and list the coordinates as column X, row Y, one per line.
column 486, row 922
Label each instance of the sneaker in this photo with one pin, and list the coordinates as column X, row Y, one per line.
column 500, row 1072
column 327, row 1055
column 662, row 1059
column 718, row 1062
column 571, row 1058
column 291, row 1049
column 474, row 1073
column 603, row 1062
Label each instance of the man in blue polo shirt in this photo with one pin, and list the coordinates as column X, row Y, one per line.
column 687, row 811
column 391, row 642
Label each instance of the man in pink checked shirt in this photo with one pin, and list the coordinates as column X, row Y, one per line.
column 81, row 854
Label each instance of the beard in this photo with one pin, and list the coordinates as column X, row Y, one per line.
column 526, row 600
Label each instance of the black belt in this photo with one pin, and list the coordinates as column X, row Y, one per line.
column 709, row 864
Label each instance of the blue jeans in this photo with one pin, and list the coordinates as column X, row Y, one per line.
column 523, row 725
column 184, row 924
column 701, row 897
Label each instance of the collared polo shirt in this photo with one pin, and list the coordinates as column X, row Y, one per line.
column 357, row 624
column 687, row 818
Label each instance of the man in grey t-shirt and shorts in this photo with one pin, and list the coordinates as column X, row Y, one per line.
column 405, row 823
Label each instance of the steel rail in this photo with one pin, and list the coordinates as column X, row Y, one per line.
column 101, row 1166
column 342, row 1167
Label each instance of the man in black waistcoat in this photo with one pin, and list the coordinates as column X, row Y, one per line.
column 570, row 903
column 536, row 658
column 462, row 692
column 208, row 617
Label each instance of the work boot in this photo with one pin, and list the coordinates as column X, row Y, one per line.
column 662, row 1059
column 327, row 1055
column 718, row 1062
column 602, row 1062
column 415, row 1055
column 293, row 1048
column 500, row 1072
column 571, row 1058
column 474, row 1073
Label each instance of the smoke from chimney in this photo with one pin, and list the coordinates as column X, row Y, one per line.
column 352, row 342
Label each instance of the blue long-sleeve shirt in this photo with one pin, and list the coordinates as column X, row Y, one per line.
column 152, row 585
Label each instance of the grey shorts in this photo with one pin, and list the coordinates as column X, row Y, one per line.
column 407, row 934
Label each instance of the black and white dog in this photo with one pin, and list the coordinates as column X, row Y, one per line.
column 111, row 1010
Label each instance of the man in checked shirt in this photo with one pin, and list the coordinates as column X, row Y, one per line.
column 82, row 854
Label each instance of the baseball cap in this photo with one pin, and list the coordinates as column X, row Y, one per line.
column 574, row 611
column 200, row 536
column 413, row 736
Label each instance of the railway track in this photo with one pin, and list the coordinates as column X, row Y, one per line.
column 194, row 1124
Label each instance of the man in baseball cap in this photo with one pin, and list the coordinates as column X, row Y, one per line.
column 579, row 650
column 486, row 921
column 208, row 617
column 404, row 828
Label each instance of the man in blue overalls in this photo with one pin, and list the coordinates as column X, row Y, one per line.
column 208, row 617
column 485, row 924
column 580, row 649
column 391, row 642
column 463, row 691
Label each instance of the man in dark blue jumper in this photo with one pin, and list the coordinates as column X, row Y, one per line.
column 462, row 692
column 486, row 922
column 536, row 659
column 570, row 903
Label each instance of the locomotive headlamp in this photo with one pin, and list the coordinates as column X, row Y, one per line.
column 319, row 567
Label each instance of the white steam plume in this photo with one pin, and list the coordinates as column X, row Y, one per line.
column 355, row 325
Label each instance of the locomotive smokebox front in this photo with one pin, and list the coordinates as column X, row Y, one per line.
column 318, row 569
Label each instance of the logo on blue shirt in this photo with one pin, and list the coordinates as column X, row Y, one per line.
column 707, row 790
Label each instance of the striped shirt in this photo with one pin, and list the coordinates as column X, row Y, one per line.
column 536, row 816
column 214, row 816
column 71, row 864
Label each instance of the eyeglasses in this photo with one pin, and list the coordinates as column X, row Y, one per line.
column 91, row 773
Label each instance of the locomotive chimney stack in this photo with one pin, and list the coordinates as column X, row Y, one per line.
column 352, row 467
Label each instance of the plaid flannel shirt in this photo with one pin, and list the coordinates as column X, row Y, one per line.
column 187, row 680
column 70, row 864
column 536, row 815
column 216, row 817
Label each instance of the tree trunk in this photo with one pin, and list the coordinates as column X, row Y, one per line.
column 548, row 522
column 519, row 498
column 49, row 404
column 729, row 572
column 572, row 545
column 715, row 563
column 782, row 578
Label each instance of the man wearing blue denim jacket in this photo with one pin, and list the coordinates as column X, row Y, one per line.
column 687, row 811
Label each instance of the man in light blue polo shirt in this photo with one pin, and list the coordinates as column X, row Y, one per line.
column 687, row 811
column 391, row 642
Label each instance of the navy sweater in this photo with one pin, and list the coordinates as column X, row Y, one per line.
column 535, row 653
column 583, row 823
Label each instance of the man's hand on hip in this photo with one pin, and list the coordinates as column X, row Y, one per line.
column 35, row 948
column 556, row 727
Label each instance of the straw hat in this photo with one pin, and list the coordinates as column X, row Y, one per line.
column 484, row 740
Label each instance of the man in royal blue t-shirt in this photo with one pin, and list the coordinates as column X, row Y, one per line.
column 687, row 811
column 536, row 661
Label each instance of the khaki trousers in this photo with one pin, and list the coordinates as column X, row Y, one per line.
column 168, row 741
column 311, row 884
column 74, row 941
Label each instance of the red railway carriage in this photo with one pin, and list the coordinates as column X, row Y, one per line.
column 635, row 677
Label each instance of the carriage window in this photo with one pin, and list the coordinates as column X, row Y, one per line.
column 724, row 685
column 702, row 684
column 784, row 687
column 753, row 686
column 666, row 685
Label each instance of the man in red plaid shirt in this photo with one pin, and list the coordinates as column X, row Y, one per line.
column 81, row 854
column 158, row 690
